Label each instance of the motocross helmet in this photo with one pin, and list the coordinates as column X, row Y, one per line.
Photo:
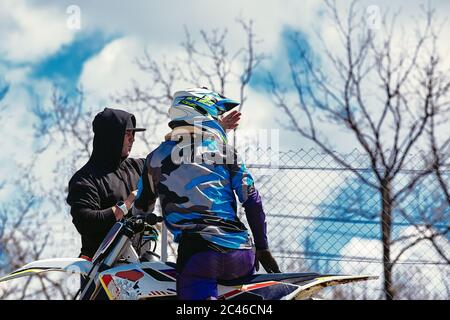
column 200, row 107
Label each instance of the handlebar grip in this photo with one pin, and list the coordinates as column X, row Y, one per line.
column 153, row 219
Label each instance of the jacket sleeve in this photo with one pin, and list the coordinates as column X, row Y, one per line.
column 87, row 216
column 244, row 187
column 146, row 196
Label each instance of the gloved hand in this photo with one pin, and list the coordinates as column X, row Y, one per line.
column 230, row 121
column 267, row 261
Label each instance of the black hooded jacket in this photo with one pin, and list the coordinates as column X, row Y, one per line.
column 103, row 181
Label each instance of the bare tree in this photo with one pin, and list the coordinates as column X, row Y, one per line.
column 388, row 122
column 440, row 152
column 23, row 237
column 20, row 219
column 205, row 63
column 25, row 231
column 64, row 123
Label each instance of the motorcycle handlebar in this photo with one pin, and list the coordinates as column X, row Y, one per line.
column 153, row 219
column 149, row 218
column 137, row 223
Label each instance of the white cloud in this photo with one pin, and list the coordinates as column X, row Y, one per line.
column 17, row 131
column 30, row 33
column 112, row 69
column 414, row 281
column 163, row 22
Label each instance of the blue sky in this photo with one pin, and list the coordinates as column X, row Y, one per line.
column 63, row 68
column 4, row 87
column 284, row 53
column 38, row 50
column 35, row 56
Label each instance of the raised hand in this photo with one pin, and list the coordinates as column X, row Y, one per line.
column 230, row 121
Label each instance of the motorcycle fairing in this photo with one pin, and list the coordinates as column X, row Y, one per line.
column 287, row 286
column 156, row 280
column 70, row 265
column 294, row 278
column 109, row 239
column 270, row 290
column 310, row 288
column 138, row 281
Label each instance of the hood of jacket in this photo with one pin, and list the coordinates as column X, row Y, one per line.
column 109, row 128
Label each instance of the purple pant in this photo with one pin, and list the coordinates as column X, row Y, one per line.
column 198, row 279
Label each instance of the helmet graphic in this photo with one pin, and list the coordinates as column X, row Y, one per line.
column 200, row 107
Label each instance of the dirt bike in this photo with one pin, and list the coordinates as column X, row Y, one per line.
column 126, row 267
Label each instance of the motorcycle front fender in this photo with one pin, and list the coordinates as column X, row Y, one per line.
column 69, row 265
column 307, row 290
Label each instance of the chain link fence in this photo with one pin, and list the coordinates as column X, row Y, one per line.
column 322, row 218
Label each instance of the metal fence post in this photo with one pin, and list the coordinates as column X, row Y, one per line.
column 164, row 243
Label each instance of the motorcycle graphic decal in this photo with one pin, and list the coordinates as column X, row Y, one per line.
column 277, row 291
column 245, row 288
column 112, row 234
column 128, row 282
column 265, row 290
column 24, row 273
column 258, row 285
column 172, row 273
column 106, row 279
column 161, row 293
column 132, row 275
column 119, row 288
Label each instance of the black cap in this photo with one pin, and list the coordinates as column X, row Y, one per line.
column 131, row 124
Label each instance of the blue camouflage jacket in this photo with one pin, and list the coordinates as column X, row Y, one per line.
column 197, row 179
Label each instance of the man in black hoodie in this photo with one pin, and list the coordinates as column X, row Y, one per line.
column 103, row 190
